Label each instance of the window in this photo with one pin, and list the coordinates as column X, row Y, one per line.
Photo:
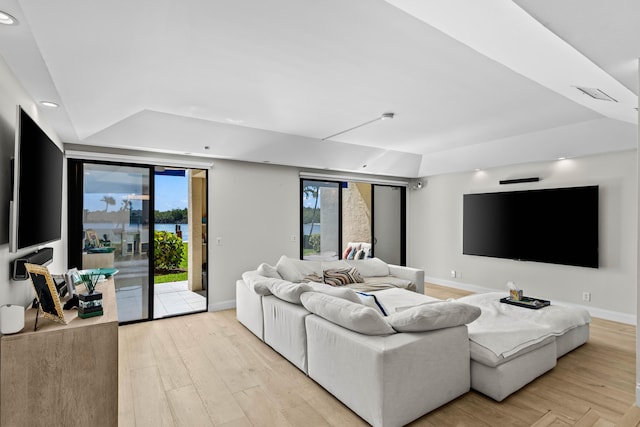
column 320, row 219
column 336, row 213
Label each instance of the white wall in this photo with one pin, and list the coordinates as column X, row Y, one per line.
column 435, row 233
column 20, row 292
column 255, row 209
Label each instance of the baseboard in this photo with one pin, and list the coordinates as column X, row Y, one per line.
column 223, row 305
column 600, row 313
column 458, row 285
column 638, row 394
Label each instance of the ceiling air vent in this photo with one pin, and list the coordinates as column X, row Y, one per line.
column 595, row 93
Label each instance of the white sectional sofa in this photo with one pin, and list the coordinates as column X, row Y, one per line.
column 389, row 370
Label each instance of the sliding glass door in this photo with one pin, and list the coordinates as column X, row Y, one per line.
column 148, row 222
column 337, row 217
column 110, row 227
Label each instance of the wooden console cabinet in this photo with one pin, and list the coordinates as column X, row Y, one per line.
column 62, row 375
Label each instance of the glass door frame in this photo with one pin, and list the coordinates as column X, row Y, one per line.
column 75, row 222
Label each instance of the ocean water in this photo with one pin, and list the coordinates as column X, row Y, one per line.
column 107, row 228
column 171, row 228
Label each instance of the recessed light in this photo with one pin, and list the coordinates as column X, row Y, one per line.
column 49, row 104
column 7, row 19
column 562, row 158
column 206, row 147
column 386, row 116
column 364, row 166
column 478, row 169
column 235, row 121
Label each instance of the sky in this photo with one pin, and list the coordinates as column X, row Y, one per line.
column 172, row 192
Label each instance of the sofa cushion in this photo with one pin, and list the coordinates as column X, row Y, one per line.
column 329, row 265
column 294, row 270
column 342, row 276
column 371, row 267
column 259, row 284
column 436, row 315
column 289, row 291
column 355, row 317
column 267, row 270
column 342, row 292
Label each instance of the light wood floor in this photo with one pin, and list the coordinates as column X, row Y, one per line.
column 208, row 370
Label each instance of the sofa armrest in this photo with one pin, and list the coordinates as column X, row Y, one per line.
column 416, row 275
column 249, row 310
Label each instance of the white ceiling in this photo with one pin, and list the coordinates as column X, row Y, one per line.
column 473, row 84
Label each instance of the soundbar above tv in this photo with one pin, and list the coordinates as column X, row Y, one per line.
column 557, row 226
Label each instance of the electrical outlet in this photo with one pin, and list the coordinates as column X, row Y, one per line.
column 294, row 238
column 586, row 296
column 218, row 241
column 453, row 274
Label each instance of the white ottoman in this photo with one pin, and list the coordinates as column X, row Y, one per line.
column 511, row 346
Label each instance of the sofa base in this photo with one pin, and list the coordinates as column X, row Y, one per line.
column 389, row 380
column 290, row 342
column 500, row 381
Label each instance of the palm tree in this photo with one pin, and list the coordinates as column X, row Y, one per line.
column 108, row 200
column 126, row 205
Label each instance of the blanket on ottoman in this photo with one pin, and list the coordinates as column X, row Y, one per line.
column 505, row 329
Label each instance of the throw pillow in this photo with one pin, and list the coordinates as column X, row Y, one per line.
column 372, row 301
column 355, row 317
column 360, row 254
column 437, row 315
column 352, row 253
column 342, row 276
column 346, row 252
column 313, row 277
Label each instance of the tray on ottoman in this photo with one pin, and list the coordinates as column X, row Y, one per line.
column 527, row 302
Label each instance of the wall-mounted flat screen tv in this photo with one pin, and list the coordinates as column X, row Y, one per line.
column 558, row 226
column 36, row 205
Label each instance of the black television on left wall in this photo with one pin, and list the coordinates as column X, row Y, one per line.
column 35, row 216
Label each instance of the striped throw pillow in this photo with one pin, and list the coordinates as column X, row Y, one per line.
column 342, row 276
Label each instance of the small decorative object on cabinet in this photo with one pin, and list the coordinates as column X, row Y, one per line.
column 46, row 294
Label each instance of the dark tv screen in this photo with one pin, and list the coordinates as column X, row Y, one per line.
column 37, row 190
column 558, row 226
